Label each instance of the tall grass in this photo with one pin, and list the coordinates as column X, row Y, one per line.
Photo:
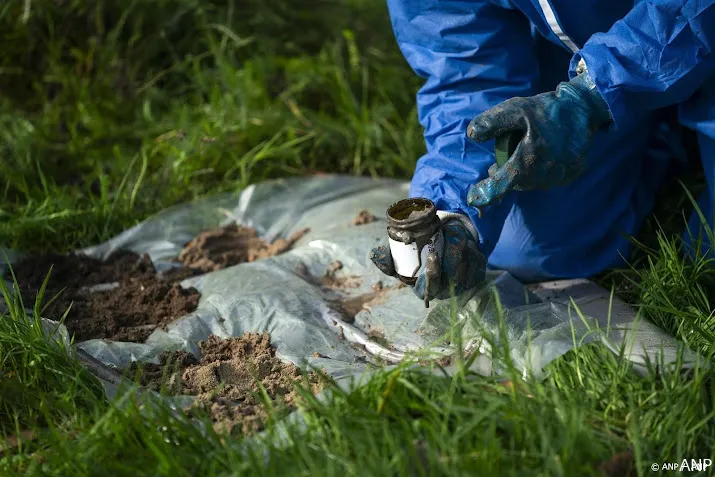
column 110, row 111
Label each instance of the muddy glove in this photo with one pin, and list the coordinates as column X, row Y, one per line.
column 557, row 129
column 460, row 261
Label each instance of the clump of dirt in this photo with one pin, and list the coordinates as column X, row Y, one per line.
column 227, row 379
column 331, row 278
column 230, row 245
column 139, row 301
column 334, row 289
column 364, row 217
column 379, row 337
column 350, row 306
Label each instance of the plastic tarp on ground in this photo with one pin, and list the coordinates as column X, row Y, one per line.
column 275, row 295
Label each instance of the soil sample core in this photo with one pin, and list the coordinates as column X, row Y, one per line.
column 231, row 245
column 227, row 379
column 139, row 301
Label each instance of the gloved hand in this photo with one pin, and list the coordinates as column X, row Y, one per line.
column 460, row 262
column 557, row 128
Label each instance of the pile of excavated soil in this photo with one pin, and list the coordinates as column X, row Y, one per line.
column 364, row 217
column 141, row 302
column 231, row 245
column 226, row 379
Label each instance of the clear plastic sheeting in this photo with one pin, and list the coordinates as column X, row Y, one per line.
column 280, row 295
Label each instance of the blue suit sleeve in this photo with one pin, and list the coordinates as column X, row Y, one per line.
column 658, row 55
column 473, row 55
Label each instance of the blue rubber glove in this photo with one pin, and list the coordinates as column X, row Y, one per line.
column 558, row 129
column 460, row 262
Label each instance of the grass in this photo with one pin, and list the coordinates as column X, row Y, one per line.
column 111, row 111
column 116, row 111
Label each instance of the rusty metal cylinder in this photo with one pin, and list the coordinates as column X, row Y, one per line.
column 413, row 230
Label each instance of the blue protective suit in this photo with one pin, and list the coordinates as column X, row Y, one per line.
column 644, row 57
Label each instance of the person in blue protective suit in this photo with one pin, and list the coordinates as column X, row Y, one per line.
column 585, row 85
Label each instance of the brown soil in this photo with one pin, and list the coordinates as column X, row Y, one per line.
column 331, row 278
column 142, row 302
column 379, row 337
column 231, row 245
column 347, row 305
column 228, row 377
column 364, row 217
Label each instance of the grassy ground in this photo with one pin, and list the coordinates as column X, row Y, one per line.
column 113, row 110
